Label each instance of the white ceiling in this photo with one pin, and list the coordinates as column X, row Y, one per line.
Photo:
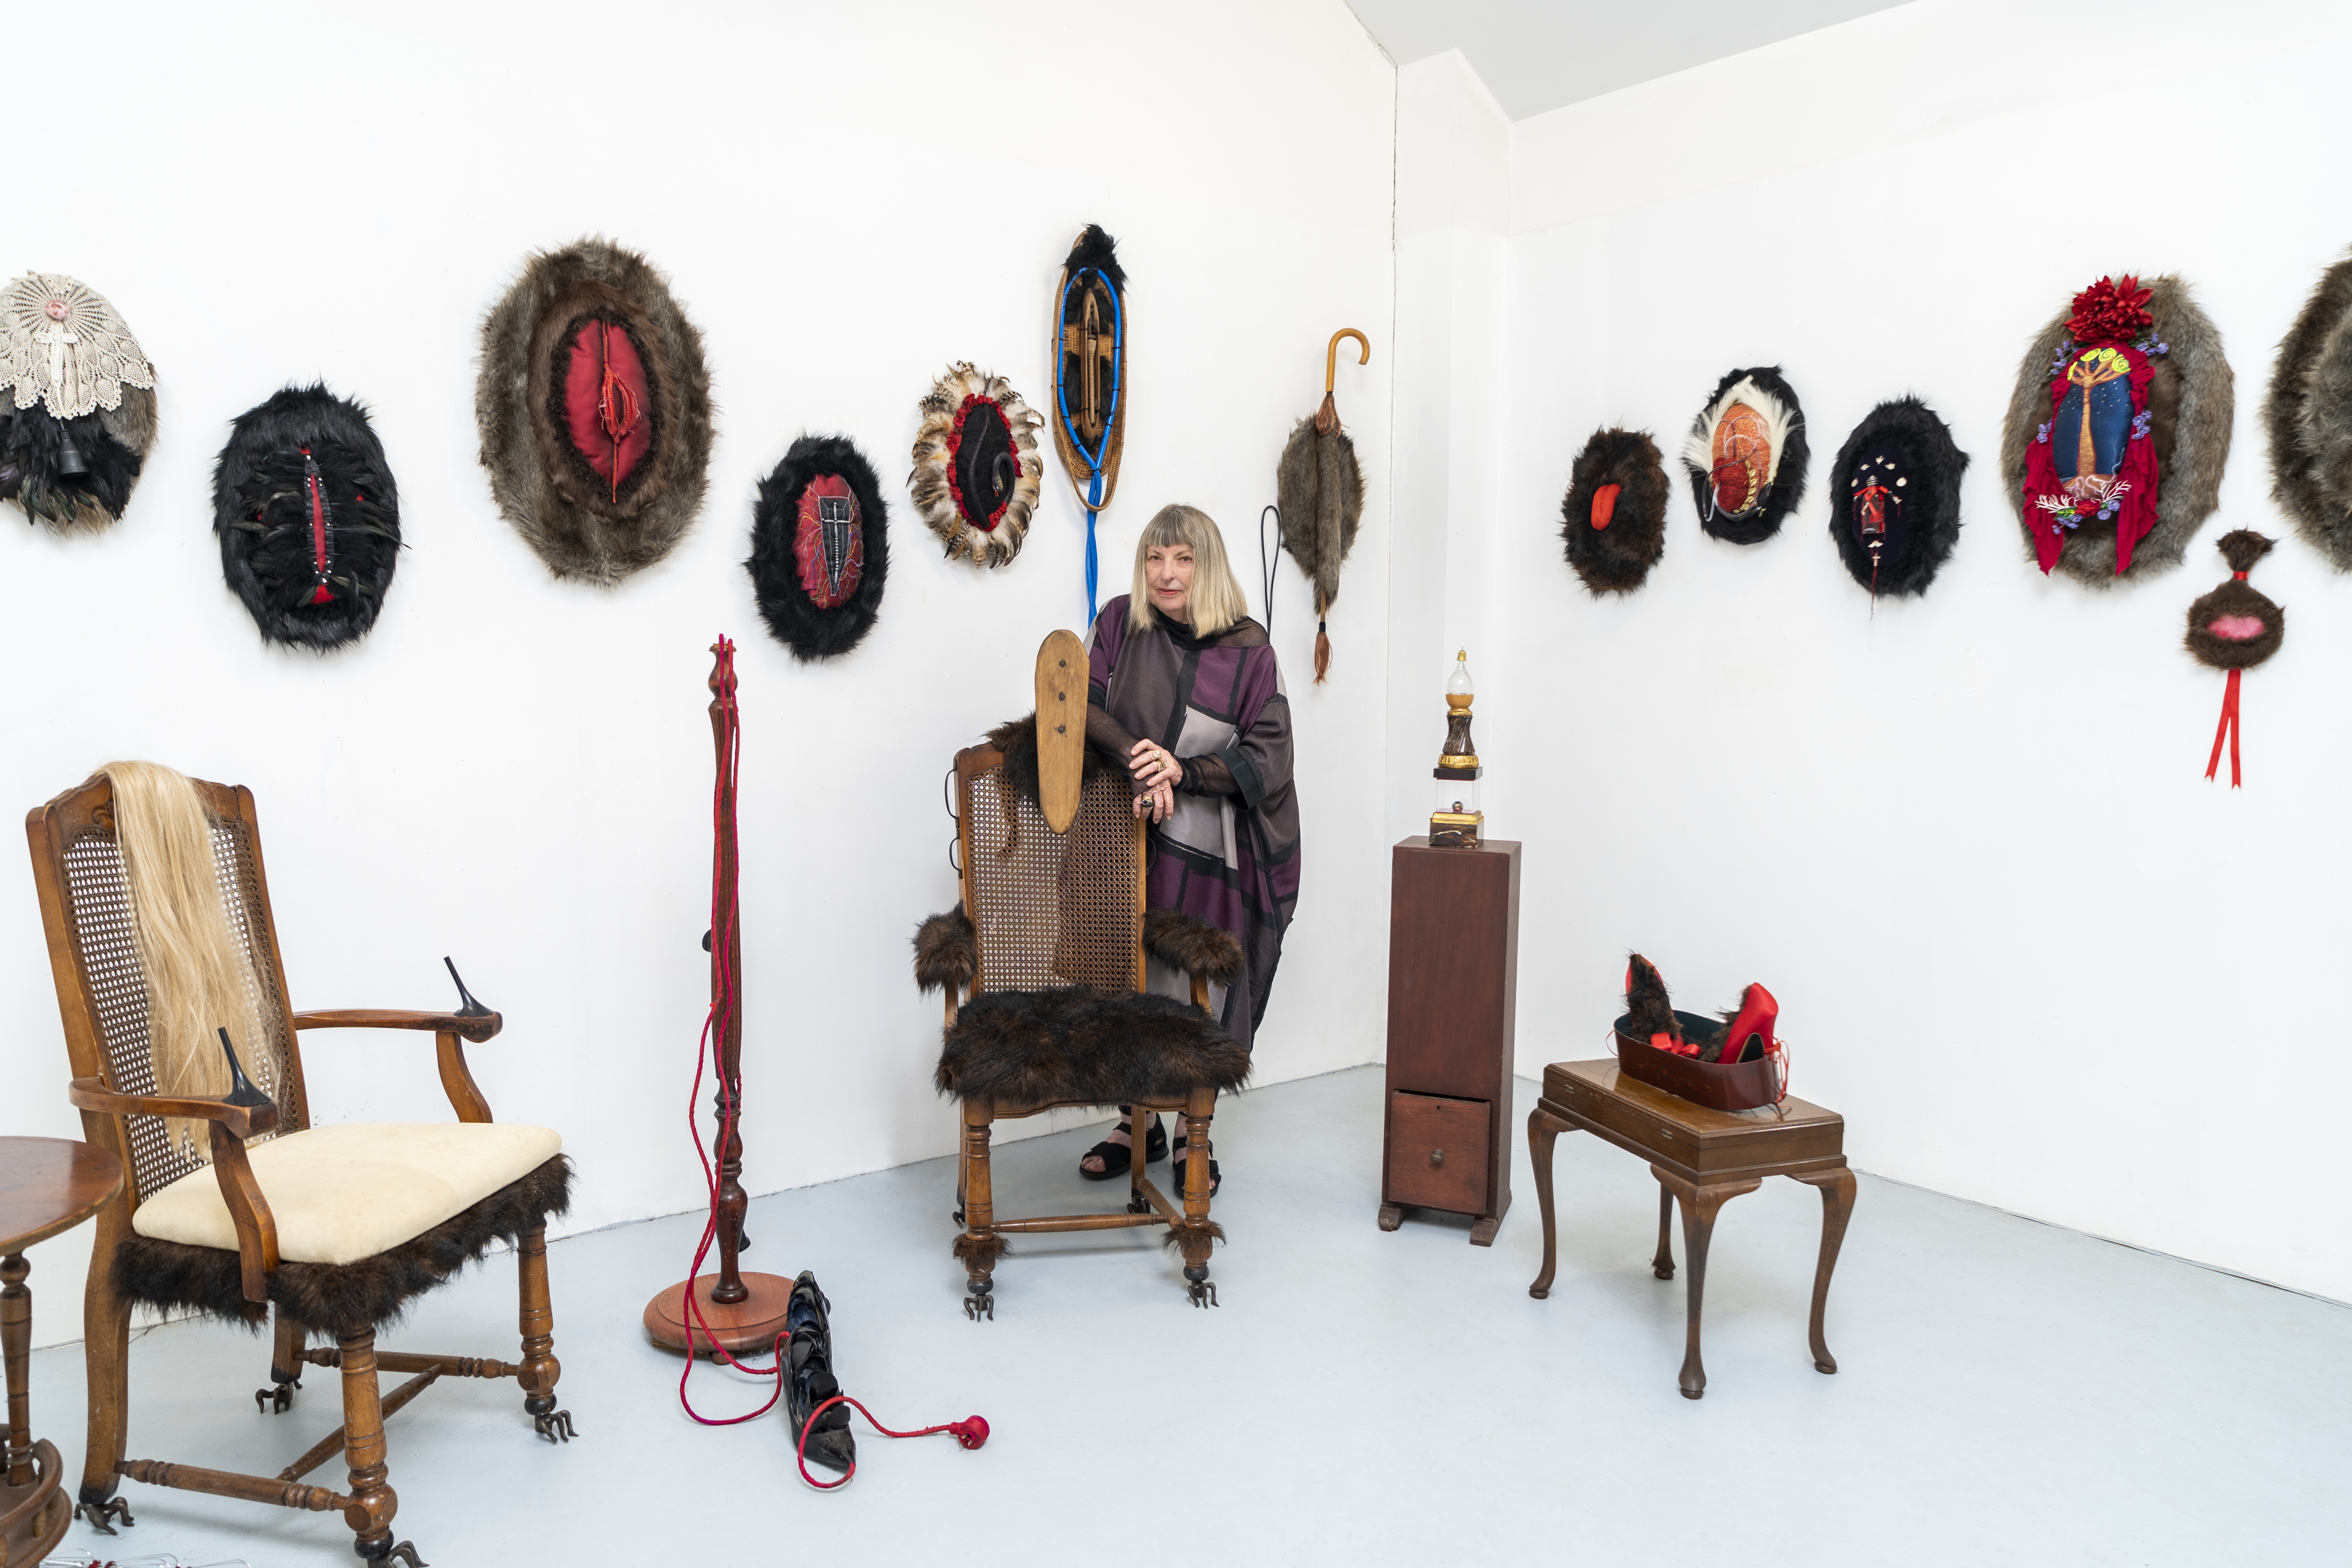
column 1539, row 54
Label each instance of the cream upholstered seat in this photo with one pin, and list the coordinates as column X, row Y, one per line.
column 346, row 1193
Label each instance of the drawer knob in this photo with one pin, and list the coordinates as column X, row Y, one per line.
column 1437, row 1156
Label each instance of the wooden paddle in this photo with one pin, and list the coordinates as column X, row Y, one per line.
column 1061, row 727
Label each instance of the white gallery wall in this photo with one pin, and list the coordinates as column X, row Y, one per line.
column 515, row 771
column 2019, row 941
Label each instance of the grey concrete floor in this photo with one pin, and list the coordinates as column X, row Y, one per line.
column 2009, row 1392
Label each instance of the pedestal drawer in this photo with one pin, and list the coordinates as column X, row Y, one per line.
column 1437, row 1151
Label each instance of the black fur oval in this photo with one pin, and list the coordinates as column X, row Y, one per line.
column 308, row 518
column 810, row 630
column 1615, row 559
column 1921, row 519
column 1761, row 518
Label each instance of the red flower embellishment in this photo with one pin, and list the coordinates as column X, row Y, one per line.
column 2110, row 310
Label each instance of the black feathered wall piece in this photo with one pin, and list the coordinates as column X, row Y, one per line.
column 1613, row 518
column 1894, row 498
column 308, row 518
column 2308, row 414
column 2234, row 627
column 820, row 547
column 82, row 417
column 2118, row 431
column 1746, row 456
column 594, row 411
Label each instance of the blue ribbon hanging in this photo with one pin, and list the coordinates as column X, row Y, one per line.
column 1062, row 402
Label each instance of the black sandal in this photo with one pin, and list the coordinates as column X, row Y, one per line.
column 1119, row 1158
column 1216, row 1177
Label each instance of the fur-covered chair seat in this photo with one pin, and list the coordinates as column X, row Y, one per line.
column 1085, row 1048
column 340, row 1298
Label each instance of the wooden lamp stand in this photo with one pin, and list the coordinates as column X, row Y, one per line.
column 740, row 1312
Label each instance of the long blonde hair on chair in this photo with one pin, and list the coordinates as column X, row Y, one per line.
column 198, row 977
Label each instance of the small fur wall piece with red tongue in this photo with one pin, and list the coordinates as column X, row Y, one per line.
column 2234, row 628
column 1614, row 517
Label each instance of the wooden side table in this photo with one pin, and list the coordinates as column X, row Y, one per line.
column 47, row 1185
column 1454, row 966
column 1703, row 1158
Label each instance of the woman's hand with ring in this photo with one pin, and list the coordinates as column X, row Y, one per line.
column 1152, row 765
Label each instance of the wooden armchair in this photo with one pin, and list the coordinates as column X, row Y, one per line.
column 1042, row 968
column 339, row 1228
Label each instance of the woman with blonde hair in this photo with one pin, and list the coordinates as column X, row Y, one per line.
column 1183, row 689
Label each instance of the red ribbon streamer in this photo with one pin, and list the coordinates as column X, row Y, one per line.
column 2229, row 728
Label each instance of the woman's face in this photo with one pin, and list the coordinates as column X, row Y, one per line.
column 1168, row 573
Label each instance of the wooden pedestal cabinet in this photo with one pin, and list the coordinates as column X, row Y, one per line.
column 1453, row 964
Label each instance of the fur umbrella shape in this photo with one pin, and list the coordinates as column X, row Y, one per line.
column 80, row 419
column 1746, row 456
column 308, row 518
column 977, row 476
column 820, row 547
column 594, row 407
column 2191, row 400
column 1319, row 490
column 1614, row 517
column 2308, row 414
column 1894, row 498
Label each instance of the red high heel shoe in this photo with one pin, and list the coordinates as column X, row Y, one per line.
column 1758, row 1015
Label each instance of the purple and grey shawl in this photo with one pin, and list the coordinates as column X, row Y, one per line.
column 1229, row 856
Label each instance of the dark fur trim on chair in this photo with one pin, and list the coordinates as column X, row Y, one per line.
column 348, row 1298
column 1179, row 1231
column 1017, row 739
column 1086, row 1047
column 945, row 952
column 1192, row 945
column 983, row 1250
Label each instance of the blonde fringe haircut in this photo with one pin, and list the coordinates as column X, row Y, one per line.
column 198, row 978
column 1216, row 602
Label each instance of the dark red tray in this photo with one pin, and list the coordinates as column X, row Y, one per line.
column 1742, row 1086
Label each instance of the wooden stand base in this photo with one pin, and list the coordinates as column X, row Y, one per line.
column 33, row 1517
column 750, row 1324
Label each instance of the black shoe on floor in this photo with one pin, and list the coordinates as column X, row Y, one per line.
column 1216, row 1177
column 1119, row 1158
column 809, row 1382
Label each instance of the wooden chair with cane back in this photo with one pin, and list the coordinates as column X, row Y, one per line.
column 1043, row 972
column 336, row 1227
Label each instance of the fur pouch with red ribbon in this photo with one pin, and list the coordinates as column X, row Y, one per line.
column 307, row 516
column 2234, row 628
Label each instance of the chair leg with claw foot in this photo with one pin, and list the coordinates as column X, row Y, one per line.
column 539, row 1369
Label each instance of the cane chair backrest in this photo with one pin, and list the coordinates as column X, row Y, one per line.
column 1050, row 909
column 94, row 958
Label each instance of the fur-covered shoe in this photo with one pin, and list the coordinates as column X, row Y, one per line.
column 810, row 1383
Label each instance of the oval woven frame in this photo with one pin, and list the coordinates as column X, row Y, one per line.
column 932, row 481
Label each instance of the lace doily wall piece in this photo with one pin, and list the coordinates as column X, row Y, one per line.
column 61, row 345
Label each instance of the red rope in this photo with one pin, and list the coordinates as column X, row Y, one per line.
column 2229, row 729
column 972, row 1432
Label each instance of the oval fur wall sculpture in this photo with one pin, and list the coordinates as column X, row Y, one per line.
column 308, row 518
column 2308, row 414
column 1614, row 517
column 594, row 411
column 2147, row 365
column 820, row 548
column 1746, row 456
column 1894, row 498
column 80, row 417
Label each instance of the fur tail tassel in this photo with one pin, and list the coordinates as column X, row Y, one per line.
column 1322, row 652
